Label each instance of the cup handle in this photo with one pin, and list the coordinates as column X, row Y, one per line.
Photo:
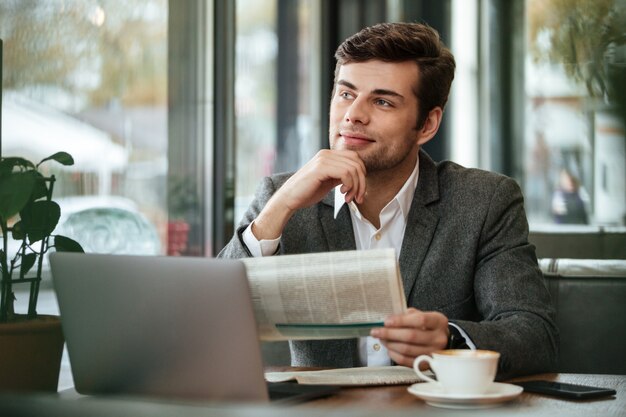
column 416, row 367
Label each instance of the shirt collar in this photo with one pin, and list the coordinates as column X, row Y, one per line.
column 404, row 196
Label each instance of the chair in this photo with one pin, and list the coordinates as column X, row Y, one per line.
column 590, row 300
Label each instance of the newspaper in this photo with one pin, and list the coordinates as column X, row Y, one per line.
column 362, row 376
column 328, row 295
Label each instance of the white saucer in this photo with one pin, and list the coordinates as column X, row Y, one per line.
column 434, row 395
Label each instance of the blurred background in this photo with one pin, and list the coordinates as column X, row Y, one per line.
column 174, row 110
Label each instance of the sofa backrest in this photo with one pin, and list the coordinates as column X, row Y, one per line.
column 590, row 300
column 580, row 242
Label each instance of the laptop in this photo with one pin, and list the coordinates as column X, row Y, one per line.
column 166, row 327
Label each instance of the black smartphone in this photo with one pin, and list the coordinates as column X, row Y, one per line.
column 565, row 390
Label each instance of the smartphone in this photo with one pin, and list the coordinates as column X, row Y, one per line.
column 564, row 390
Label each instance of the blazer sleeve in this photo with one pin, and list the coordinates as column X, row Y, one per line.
column 509, row 290
column 236, row 248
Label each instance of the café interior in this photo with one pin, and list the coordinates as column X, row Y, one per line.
column 174, row 111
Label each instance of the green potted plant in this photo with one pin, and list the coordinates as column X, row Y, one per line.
column 30, row 344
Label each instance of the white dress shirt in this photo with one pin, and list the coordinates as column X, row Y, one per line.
column 390, row 234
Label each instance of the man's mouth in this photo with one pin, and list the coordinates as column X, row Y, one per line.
column 355, row 138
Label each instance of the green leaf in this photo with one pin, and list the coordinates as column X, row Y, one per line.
column 65, row 244
column 40, row 189
column 18, row 231
column 28, row 261
column 39, row 219
column 15, row 192
column 63, row 158
column 7, row 164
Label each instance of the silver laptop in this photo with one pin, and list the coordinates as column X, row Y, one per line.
column 159, row 326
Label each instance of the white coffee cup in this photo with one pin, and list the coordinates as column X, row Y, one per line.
column 460, row 371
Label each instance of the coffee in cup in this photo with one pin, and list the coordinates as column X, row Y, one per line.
column 460, row 371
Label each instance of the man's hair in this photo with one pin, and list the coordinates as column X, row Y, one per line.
column 400, row 42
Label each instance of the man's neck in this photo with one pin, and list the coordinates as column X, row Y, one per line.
column 382, row 187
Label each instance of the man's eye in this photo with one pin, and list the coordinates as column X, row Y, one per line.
column 382, row 102
column 345, row 94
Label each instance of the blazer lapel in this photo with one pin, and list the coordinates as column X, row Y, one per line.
column 339, row 233
column 421, row 223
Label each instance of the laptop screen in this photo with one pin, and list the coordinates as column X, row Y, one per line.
column 170, row 327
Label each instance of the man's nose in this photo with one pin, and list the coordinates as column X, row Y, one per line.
column 358, row 112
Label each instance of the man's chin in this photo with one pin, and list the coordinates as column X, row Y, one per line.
column 343, row 146
column 359, row 150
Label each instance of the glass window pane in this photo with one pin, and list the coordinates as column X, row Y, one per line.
column 255, row 96
column 90, row 78
column 276, row 103
column 574, row 140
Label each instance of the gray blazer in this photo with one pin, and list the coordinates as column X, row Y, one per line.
column 465, row 253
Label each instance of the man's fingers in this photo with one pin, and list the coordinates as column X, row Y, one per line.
column 433, row 338
column 317, row 177
column 348, row 170
column 417, row 319
column 401, row 359
column 413, row 333
column 407, row 350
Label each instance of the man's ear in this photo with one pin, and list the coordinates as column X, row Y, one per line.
column 430, row 127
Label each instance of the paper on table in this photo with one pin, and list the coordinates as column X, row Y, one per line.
column 366, row 375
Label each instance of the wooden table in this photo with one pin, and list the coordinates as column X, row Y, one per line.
column 392, row 401
column 398, row 398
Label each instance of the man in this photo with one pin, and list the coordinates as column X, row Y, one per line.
column 470, row 276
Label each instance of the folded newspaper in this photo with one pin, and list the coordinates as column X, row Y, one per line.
column 328, row 295
column 367, row 375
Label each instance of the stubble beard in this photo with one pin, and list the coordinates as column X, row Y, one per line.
column 378, row 159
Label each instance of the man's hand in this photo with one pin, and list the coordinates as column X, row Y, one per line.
column 309, row 185
column 413, row 333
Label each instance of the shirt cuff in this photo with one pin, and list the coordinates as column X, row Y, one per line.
column 468, row 341
column 258, row 248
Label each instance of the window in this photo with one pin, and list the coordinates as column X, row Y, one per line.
column 90, row 78
column 277, row 91
column 574, row 139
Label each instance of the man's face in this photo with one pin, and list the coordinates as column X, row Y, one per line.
column 374, row 113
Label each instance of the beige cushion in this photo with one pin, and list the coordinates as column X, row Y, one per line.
column 583, row 267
